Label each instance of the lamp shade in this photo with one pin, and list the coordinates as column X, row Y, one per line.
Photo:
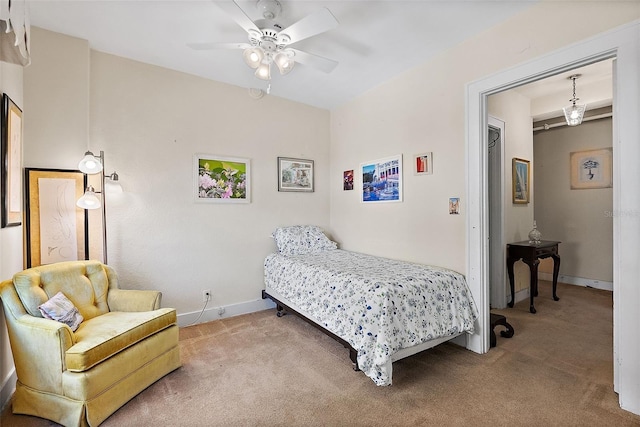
column 574, row 114
column 253, row 56
column 89, row 200
column 284, row 62
column 263, row 72
column 89, row 164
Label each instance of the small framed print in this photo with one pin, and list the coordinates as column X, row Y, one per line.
column 347, row 180
column 454, row 205
column 423, row 164
column 295, row 174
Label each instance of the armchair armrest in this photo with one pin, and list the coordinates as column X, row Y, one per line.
column 133, row 300
column 39, row 347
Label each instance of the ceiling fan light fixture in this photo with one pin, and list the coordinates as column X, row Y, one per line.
column 284, row 62
column 263, row 72
column 253, row 56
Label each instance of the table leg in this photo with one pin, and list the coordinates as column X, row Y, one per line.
column 556, row 270
column 533, row 285
column 510, row 262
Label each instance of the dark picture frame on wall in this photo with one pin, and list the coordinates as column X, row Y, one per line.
column 11, row 160
column 56, row 229
column 295, row 174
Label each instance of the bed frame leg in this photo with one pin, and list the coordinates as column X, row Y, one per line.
column 280, row 310
column 353, row 355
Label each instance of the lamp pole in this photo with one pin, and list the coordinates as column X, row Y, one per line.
column 104, row 211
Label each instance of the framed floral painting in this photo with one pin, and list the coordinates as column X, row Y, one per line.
column 221, row 179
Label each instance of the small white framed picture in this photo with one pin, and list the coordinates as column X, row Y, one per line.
column 423, row 164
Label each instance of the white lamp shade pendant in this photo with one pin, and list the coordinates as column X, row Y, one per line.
column 574, row 114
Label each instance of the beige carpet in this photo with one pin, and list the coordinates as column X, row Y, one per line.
column 260, row 370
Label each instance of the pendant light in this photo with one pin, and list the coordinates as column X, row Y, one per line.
column 574, row 113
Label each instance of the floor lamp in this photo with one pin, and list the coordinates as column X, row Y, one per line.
column 91, row 165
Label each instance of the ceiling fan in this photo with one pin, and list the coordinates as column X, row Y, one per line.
column 270, row 43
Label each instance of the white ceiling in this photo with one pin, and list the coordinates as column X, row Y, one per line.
column 594, row 87
column 375, row 40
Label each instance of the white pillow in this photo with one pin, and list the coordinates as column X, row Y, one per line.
column 302, row 239
column 61, row 309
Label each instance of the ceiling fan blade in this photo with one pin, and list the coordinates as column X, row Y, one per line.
column 209, row 46
column 315, row 61
column 316, row 23
column 238, row 15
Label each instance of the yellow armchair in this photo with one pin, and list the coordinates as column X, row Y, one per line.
column 125, row 343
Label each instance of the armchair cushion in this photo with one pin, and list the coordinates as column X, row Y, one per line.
column 85, row 283
column 100, row 338
column 61, row 309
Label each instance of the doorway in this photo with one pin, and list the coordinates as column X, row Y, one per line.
column 624, row 44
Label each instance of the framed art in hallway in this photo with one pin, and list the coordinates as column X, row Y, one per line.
column 219, row 179
column 295, row 174
column 591, row 169
column 11, row 160
column 56, row 229
column 521, row 179
column 382, row 180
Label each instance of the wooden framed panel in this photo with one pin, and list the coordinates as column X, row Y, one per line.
column 56, row 229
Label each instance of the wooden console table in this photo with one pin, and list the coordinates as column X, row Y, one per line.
column 531, row 254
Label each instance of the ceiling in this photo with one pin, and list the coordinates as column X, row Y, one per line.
column 594, row 88
column 375, row 40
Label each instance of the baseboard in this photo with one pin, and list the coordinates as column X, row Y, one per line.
column 578, row 281
column 7, row 389
column 521, row 295
column 215, row 313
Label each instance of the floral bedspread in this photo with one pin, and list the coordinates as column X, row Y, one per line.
column 378, row 305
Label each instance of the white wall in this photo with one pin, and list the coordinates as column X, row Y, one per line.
column 150, row 121
column 11, row 248
column 581, row 219
column 515, row 111
column 423, row 110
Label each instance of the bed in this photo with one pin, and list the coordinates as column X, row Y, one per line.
column 381, row 309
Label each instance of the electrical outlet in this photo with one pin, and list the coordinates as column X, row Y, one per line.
column 206, row 295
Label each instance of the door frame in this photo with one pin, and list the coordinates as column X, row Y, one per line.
column 622, row 43
column 497, row 252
